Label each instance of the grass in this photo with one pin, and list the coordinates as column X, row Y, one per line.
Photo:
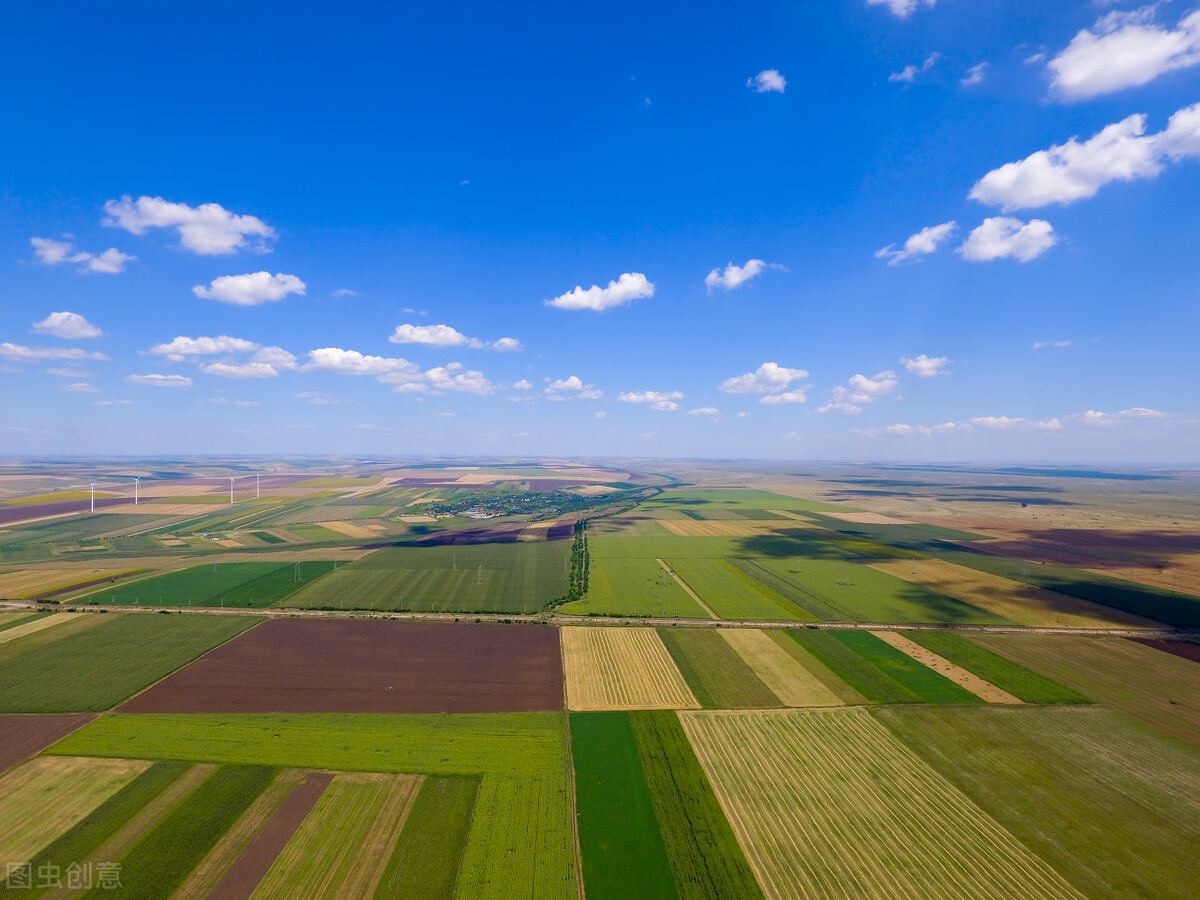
column 732, row 594
column 718, row 677
column 634, row 587
column 622, row 849
column 221, row 584
column 96, row 668
column 160, row 861
column 428, row 855
column 707, row 862
column 1002, row 672
column 1111, row 804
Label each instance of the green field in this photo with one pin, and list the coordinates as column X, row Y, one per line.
column 1003, row 673
column 633, row 587
column 428, row 855
column 698, row 499
column 1112, row 805
column 704, row 853
column 508, row 577
column 619, row 841
column 719, row 678
column 94, row 669
column 732, row 594
column 224, row 584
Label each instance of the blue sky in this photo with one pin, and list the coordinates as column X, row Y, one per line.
column 855, row 229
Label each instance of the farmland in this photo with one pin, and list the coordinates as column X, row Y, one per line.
column 731, row 593
column 783, row 675
column 621, row 668
column 227, row 584
column 718, row 676
column 634, row 587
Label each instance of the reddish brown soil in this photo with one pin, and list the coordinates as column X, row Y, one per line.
column 351, row 666
column 1186, row 649
column 23, row 736
column 245, row 874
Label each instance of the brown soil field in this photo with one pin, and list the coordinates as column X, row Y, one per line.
column 1186, row 649
column 351, row 666
column 26, row 735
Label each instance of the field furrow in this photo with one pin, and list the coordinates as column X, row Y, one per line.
column 622, row 668
column 982, row 689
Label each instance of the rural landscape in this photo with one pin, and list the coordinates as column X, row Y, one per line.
column 564, row 679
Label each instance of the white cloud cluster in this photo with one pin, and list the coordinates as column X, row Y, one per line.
column 250, row 289
column 771, row 380
column 849, row 398
column 80, row 387
column 766, row 81
column 926, row 366
column 629, row 287
column 909, row 73
column 172, row 381
column 351, row 362
column 735, row 276
column 902, row 8
column 182, row 347
column 405, row 377
column 68, row 325
column 23, row 353
column 924, row 242
column 1135, row 416
column 710, row 411
column 446, row 336
column 663, row 401
column 265, row 363
column 208, row 229
column 53, row 253
column 1074, row 171
column 1124, row 49
column 571, row 386
column 1001, row 237
column 1041, row 345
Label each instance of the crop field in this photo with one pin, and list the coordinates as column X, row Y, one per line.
column 622, row 849
column 829, row 804
column 815, row 667
column 621, row 668
column 348, row 666
column 26, row 735
column 257, row 584
column 964, row 678
column 705, row 857
column 33, row 583
column 732, row 594
column 726, row 499
column 1012, row 600
column 783, row 675
column 634, row 587
column 34, row 624
column 1112, row 805
column 502, row 577
column 94, row 669
column 1158, row 688
column 718, row 676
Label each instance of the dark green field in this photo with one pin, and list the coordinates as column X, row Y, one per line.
column 225, row 584
column 718, row 677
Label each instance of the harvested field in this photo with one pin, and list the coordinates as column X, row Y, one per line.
column 349, row 529
column 621, row 668
column 26, row 735
column 348, row 666
column 781, row 673
column 39, row 624
column 1184, row 649
column 713, row 528
column 982, row 689
column 1013, row 600
column 819, row 670
column 869, row 518
column 717, row 675
column 33, row 583
column 829, row 804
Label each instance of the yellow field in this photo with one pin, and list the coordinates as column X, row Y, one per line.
column 621, row 668
column 28, row 582
column 40, row 624
column 985, row 690
column 827, row 804
column 46, row 796
column 694, row 528
column 788, row 680
column 349, row 529
column 1023, row 604
column 536, row 532
column 869, row 518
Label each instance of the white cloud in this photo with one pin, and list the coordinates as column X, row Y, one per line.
column 52, row 253
column 997, row 421
column 849, row 398
column 160, row 380
column 507, row 345
column 21, row 352
column 454, row 377
column 1041, row 345
column 704, row 411
column 770, row 379
column 182, row 347
column 1003, row 236
column 250, row 289
column 240, row 370
column 663, row 401
column 319, row 399
column 80, row 387
column 344, row 292
column 902, row 8
column 1123, row 50
column 926, row 366
column 68, row 372
column 274, row 356
column 975, row 75
column 434, row 335
column 69, row 325
column 735, row 276
column 112, row 403
column 1094, row 417
column 924, row 242
column 572, row 385
column 629, row 287
column 208, row 229
column 522, row 385
column 351, row 362
column 909, row 73
column 766, row 81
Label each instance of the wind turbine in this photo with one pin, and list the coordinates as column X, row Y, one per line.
column 230, row 490
column 136, row 482
column 93, row 496
column 257, row 486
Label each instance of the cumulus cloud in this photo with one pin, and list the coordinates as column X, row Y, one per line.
column 902, row 8
column 769, row 379
column 351, row 362
column 274, row 356
column 344, row 292
column 704, row 411
column 663, row 401
column 1042, row 345
column 173, row 381
column 766, row 81
column 21, row 352
column 69, row 325
column 52, row 253
column 572, row 385
column 909, row 73
column 1094, row 417
column 182, row 347
column 1075, row 171
column 1003, row 237
column 446, row 336
column 924, row 242
column 315, row 398
column 1123, row 49
column 507, row 345
column 251, row 289
column 996, row 421
column 975, row 75
column 629, row 287
column 454, row 377
column 850, row 397
column 208, row 229
column 80, row 387
column 926, row 366
column 240, row 370
column 732, row 276
column 522, row 385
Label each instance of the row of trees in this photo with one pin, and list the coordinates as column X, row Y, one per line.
column 577, row 582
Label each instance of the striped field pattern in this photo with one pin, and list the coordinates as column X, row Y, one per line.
column 621, row 668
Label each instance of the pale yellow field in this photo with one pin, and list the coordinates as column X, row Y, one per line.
column 349, row 529
column 26, row 583
column 1021, row 603
column 535, row 532
column 827, row 804
column 621, row 668
column 985, row 690
column 788, row 680
column 40, row 624
column 694, row 528
column 160, row 509
column 869, row 518
column 48, row 795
